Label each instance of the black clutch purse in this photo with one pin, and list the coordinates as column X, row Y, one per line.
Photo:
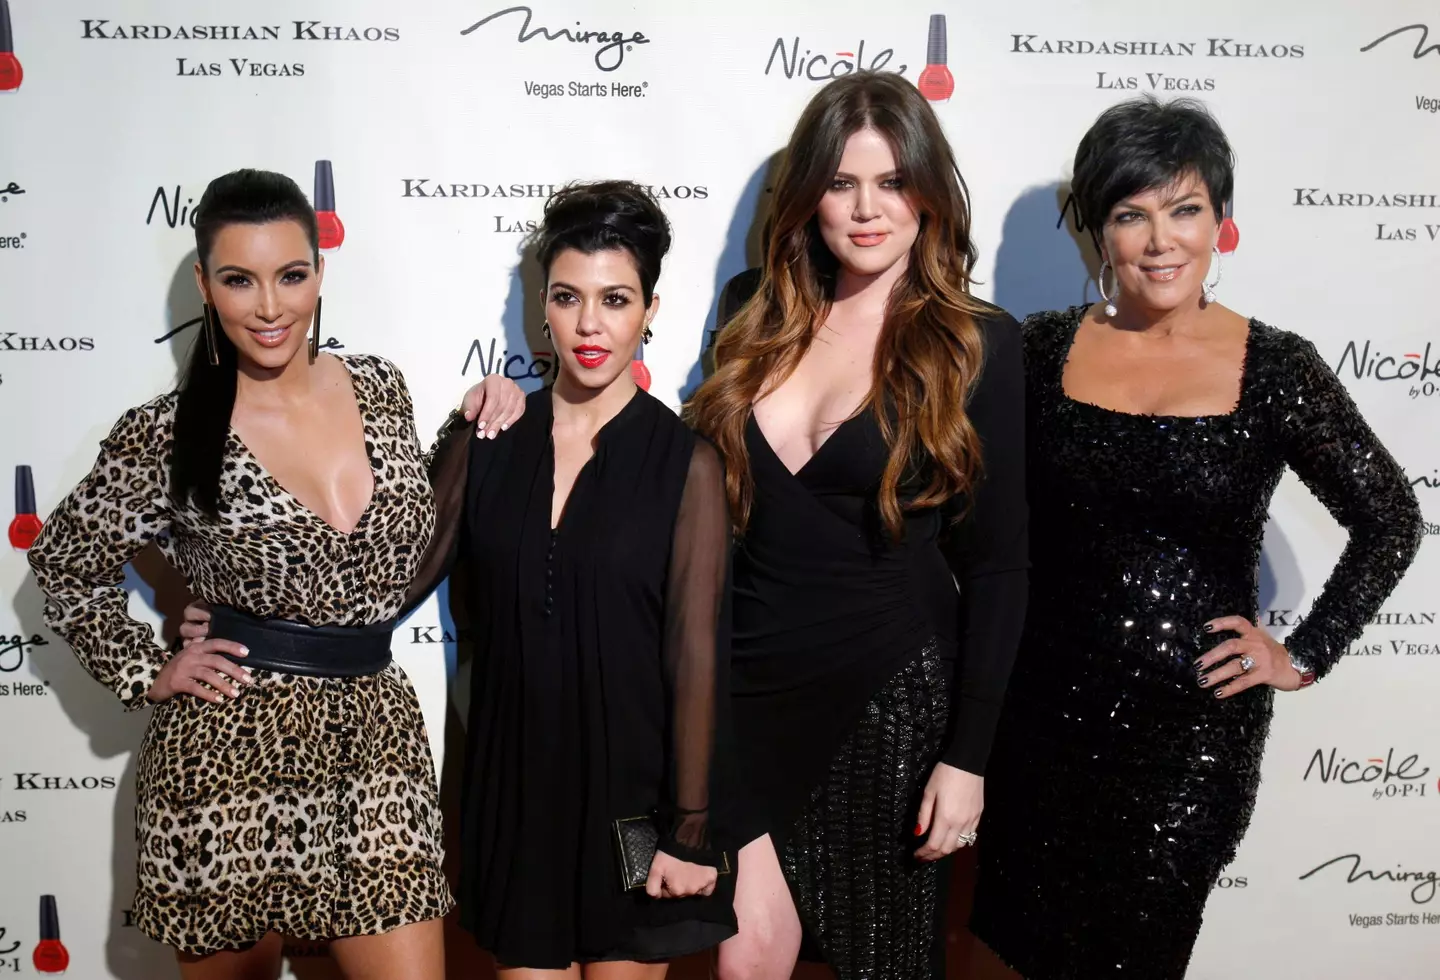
column 636, row 840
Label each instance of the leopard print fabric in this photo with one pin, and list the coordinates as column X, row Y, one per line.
column 308, row 806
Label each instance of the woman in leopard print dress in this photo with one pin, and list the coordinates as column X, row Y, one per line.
column 269, row 803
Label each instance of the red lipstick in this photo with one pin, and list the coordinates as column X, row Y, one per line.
column 1229, row 231
column 590, row 356
column 639, row 373
column 935, row 82
column 25, row 528
column 50, row 958
column 11, row 74
column 332, row 230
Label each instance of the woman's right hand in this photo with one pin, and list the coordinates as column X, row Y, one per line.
column 196, row 625
column 199, row 669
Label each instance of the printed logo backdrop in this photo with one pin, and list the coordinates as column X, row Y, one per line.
column 430, row 135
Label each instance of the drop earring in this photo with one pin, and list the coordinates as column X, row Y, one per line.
column 1216, row 264
column 208, row 326
column 545, row 329
column 646, row 334
column 315, row 333
column 1110, row 309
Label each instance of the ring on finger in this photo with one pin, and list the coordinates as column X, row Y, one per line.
column 1247, row 663
column 967, row 839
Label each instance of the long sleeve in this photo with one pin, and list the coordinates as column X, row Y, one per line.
column 447, row 466
column 1334, row 452
column 989, row 552
column 80, row 557
column 696, row 648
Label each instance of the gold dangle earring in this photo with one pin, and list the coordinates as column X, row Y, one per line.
column 315, row 333
column 207, row 318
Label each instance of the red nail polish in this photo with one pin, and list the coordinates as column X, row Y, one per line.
column 332, row 230
column 11, row 74
column 50, row 958
column 919, row 830
column 638, row 371
column 935, row 82
column 1229, row 231
column 25, row 528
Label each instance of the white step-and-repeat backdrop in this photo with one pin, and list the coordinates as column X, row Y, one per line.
column 446, row 124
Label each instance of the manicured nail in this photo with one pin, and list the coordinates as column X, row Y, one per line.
column 1209, row 628
column 1220, row 693
column 505, row 427
column 1204, row 680
column 244, row 651
column 480, row 427
column 919, row 830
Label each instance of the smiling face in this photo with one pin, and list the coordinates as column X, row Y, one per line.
column 865, row 218
column 263, row 281
column 596, row 310
column 1159, row 242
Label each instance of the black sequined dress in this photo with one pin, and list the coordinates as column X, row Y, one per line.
column 1119, row 788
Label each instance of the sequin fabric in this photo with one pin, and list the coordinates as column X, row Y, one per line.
column 1119, row 788
column 849, row 856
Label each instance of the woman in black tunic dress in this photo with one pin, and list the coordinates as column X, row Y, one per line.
column 597, row 540
column 1128, row 755
column 871, row 416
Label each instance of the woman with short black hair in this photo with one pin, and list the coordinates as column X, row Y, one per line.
column 1128, row 755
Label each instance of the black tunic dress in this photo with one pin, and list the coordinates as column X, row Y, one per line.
column 1119, row 788
column 600, row 650
column 856, row 666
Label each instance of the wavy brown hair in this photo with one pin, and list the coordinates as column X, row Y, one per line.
column 929, row 353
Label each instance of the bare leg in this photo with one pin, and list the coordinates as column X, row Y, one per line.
column 624, row 971
column 413, row 952
column 768, row 942
column 259, row 962
column 572, row 972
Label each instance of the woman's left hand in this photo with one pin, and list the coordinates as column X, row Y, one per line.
column 1269, row 662
column 494, row 405
column 949, row 810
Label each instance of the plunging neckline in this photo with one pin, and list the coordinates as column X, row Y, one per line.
column 818, row 449
column 584, row 467
column 361, row 404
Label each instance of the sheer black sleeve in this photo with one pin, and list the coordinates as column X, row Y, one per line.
column 1335, row 453
column 696, row 649
column 989, row 551
column 447, row 464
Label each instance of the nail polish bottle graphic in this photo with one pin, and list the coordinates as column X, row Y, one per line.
column 25, row 528
column 1229, row 231
column 11, row 74
column 936, row 83
column 332, row 231
column 51, row 958
column 639, row 373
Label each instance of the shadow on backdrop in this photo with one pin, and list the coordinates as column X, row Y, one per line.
column 743, row 249
column 1045, row 261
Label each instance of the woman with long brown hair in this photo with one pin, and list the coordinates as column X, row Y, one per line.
column 870, row 415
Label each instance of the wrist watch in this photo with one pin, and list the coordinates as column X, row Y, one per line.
column 1306, row 672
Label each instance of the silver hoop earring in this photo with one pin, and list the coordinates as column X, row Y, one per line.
column 1217, row 264
column 1110, row 309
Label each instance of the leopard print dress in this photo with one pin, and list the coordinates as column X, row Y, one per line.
column 308, row 806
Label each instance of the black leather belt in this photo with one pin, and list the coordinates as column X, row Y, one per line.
column 294, row 648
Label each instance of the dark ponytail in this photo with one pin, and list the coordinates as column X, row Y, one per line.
column 207, row 391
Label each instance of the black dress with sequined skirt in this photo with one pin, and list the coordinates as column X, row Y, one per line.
column 1119, row 788
column 856, row 666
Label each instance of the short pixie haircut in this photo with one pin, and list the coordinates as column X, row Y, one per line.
column 605, row 215
column 1143, row 143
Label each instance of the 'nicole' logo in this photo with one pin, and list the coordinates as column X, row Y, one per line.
column 11, row 74
column 332, row 230
column 935, row 82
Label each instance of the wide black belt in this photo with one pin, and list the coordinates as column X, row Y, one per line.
column 294, row 648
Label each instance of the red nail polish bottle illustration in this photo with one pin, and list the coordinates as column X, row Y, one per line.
column 639, row 373
column 936, row 83
column 51, row 958
column 1229, row 231
column 11, row 74
column 332, row 231
column 25, row 528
